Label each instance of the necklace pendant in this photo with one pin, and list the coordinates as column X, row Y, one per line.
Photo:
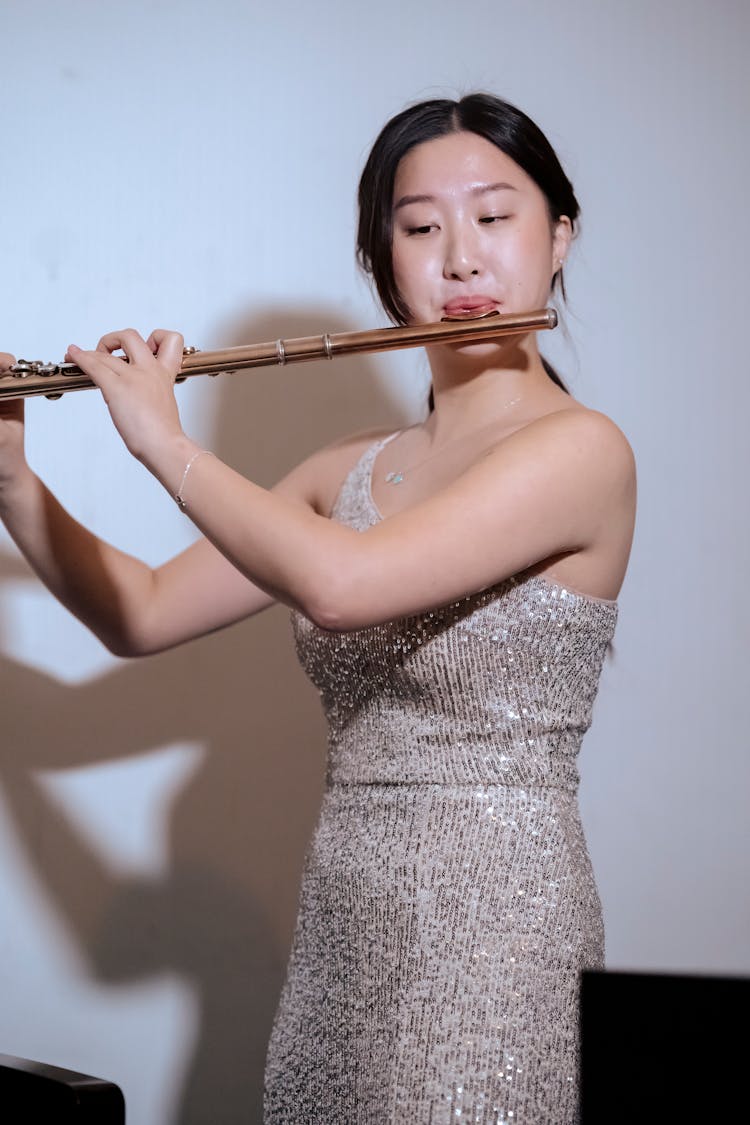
column 394, row 478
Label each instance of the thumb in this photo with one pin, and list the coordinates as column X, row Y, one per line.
column 168, row 347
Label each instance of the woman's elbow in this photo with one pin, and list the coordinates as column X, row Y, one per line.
column 130, row 643
column 329, row 615
column 336, row 605
column 126, row 648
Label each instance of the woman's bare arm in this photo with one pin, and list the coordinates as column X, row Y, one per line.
column 133, row 608
column 561, row 485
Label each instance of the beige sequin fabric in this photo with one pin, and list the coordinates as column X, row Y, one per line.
column 447, row 903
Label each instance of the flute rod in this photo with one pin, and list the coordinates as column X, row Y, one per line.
column 33, row 378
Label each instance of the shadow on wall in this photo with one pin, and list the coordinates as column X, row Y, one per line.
column 221, row 916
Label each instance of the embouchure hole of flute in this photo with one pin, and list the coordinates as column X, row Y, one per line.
column 27, row 378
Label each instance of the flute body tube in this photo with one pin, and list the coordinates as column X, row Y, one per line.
column 28, row 379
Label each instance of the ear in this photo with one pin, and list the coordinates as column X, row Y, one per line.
column 562, row 236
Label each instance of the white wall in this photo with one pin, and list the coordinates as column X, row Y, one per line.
column 194, row 166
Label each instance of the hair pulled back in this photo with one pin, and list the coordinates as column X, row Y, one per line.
column 498, row 122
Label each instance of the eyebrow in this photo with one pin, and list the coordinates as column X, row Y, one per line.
column 480, row 189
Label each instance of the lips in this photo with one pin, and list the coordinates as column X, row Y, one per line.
column 477, row 303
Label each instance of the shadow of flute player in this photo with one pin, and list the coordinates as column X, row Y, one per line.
column 213, row 916
column 221, row 913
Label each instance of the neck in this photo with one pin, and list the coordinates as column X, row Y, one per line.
column 473, row 384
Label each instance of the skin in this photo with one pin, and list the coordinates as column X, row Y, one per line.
column 508, row 474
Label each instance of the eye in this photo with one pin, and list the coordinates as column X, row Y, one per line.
column 487, row 219
column 420, row 230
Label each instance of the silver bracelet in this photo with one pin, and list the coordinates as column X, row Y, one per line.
column 180, row 499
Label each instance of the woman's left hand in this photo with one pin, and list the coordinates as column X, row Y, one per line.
column 138, row 390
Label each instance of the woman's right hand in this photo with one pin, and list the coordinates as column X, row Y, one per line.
column 12, row 459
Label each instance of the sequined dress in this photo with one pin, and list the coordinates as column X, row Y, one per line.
column 447, row 902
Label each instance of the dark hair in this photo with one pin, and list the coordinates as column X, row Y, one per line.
column 505, row 126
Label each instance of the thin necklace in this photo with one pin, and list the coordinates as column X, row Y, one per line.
column 398, row 475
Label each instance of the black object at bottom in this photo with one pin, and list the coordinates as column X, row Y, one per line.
column 36, row 1092
column 663, row 1048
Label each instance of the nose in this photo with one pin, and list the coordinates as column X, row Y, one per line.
column 461, row 255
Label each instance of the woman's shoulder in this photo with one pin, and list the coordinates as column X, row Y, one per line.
column 354, row 445
column 571, row 451
column 582, row 432
column 341, row 455
column 318, row 479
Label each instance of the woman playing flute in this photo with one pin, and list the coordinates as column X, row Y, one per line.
column 453, row 590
